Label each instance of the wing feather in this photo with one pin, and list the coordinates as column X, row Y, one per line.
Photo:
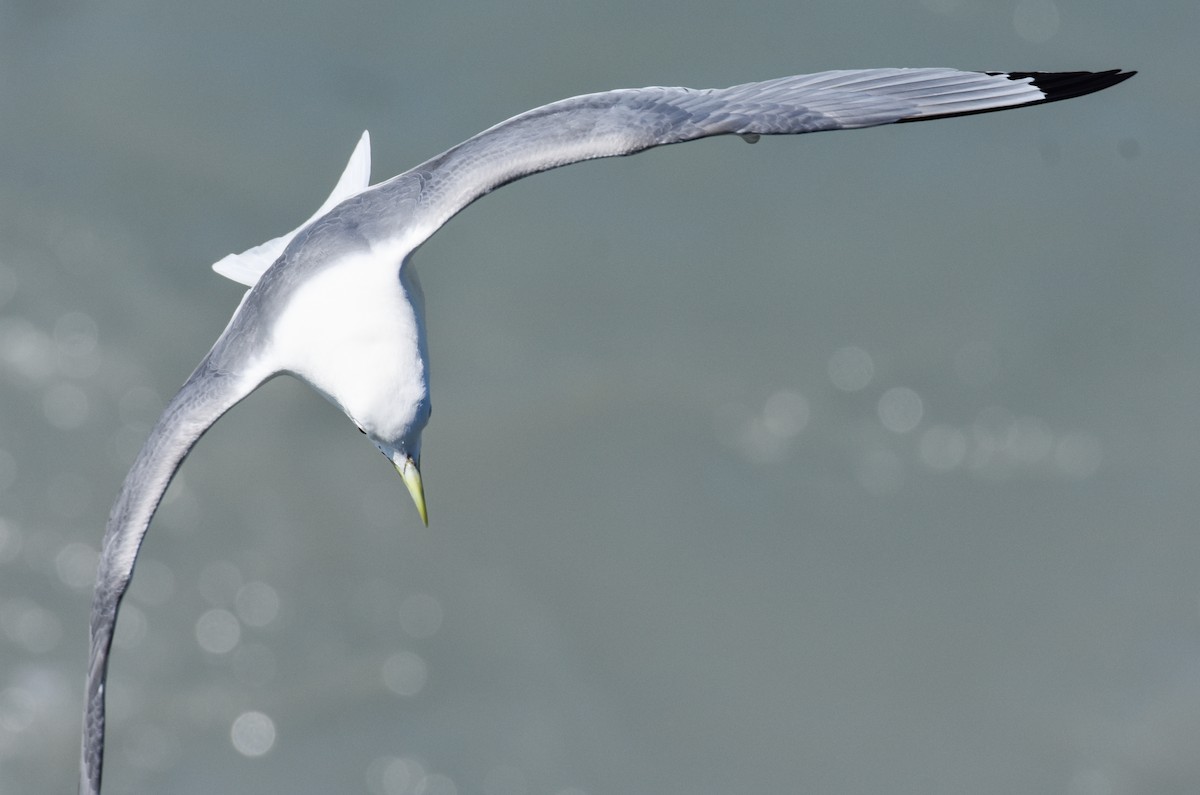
column 627, row 121
column 207, row 394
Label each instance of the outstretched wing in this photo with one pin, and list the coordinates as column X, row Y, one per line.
column 207, row 394
column 630, row 120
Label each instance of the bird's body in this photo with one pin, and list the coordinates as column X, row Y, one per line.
column 337, row 304
column 355, row 333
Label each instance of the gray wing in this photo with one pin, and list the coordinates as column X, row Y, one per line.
column 207, row 394
column 630, row 120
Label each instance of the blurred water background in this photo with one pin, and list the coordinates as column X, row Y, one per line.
column 854, row 463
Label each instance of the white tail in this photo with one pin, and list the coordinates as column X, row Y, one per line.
column 247, row 267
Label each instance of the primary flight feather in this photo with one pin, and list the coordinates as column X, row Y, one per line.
column 335, row 304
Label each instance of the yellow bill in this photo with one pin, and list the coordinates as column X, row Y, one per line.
column 410, row 473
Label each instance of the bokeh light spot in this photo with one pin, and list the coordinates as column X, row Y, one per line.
column 851, row 368
column 30, row 626
column 252, row 733
column 420, row 615
column 218, row 631
column 900, row 409
column 75, row 565
column 943, row 447
column 404, row 673
column 257, row 604
column 25, row 350
column 18, row 709
column 10, row 541
column 766, row 436
column 435, row 784
column 785, row 414
column 391, row 775
column 1029, row 440
column 75, row 334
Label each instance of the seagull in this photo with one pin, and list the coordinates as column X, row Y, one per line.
column 336, row 302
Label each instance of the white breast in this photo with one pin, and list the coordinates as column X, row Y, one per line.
column 353, row 333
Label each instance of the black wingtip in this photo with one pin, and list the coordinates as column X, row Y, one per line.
column 1065, row 85
column 1053, row 85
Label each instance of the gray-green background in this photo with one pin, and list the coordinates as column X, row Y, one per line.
column 854, row 463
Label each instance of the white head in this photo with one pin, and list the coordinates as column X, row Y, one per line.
column 405, row 455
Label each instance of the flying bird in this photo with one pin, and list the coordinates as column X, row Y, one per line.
column 335, row 302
